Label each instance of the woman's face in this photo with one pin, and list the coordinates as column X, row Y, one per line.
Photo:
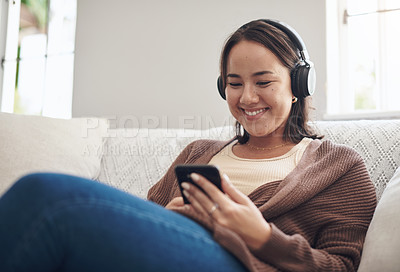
column 258, row 89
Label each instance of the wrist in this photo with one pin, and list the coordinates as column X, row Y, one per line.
column 261, row 237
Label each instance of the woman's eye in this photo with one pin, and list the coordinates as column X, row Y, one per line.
column 263, row 83
column 232, row 84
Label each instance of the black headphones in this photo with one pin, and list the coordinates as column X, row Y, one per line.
column 302, row 75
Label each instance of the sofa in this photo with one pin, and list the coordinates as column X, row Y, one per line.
column 133, row 159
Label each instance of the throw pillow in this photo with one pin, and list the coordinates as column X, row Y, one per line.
column 41, row 144
column 382, row 243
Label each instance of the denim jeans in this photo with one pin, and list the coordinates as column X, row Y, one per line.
column 53, row 222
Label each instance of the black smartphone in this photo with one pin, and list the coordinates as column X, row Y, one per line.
column 210, row 172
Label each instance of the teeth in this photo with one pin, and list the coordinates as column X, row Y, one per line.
column 252, row 113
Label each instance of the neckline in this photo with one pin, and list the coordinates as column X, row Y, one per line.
column 293, row 150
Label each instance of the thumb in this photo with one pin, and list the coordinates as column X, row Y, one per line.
column 232, row 192
column 175, row 203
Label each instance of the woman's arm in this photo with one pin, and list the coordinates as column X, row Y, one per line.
column 341, row 214
column 340, row 217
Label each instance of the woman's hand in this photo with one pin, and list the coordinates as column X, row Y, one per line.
column 234, row 210
column 175, row 203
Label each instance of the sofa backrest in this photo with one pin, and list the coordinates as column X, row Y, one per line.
column 377, row 141
column 134, row 160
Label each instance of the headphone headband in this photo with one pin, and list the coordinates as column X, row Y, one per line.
column 292, row 34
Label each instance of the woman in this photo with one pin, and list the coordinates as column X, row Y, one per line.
column 291, row 202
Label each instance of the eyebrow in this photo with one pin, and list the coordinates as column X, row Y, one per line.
column 255, row 74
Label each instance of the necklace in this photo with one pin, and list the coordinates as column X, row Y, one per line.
column 266, row 148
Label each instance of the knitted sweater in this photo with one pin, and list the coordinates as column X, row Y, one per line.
column 319, row 214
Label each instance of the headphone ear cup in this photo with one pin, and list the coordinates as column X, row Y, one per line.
column 303, row 80
column 221, row 88
column 311, row 78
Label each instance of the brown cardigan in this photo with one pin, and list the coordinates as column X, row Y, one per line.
column 319, row 213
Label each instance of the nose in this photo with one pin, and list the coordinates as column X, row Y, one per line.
column 249, row 95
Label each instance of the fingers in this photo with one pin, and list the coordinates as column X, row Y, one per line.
column 211, row 202
column 212, row 191
column 231, row 209
column 198, row 200
column 232, row 192
column 204, row 203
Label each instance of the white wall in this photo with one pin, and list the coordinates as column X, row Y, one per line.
column 158, row 60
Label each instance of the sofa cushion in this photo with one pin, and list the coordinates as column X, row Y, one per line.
column 382, row 243
column 34, row 143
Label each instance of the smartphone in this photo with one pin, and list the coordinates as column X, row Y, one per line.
column 210, row 172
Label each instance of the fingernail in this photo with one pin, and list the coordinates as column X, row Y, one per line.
column 195, row 177
column 226, row 178
column 185, row 185
column 186, row 193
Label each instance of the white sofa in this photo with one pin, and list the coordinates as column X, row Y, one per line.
column 134, row 159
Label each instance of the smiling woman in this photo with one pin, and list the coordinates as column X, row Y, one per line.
column 289, row 201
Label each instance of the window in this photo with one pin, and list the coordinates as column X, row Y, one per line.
column 363, row 41
column 38, row 57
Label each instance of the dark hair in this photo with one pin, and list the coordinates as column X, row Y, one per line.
column 285, row 50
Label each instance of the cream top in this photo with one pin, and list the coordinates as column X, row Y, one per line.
column 248, row 174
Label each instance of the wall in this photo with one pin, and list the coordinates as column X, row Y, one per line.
column 155, row 63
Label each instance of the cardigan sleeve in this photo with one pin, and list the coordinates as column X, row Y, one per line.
column 342, row 213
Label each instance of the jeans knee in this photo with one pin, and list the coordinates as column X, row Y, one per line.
column 38, row 185
column 31, row 181
column 34, row 177
column 31, row 192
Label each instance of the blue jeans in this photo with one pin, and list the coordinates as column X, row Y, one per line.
column 53, row 222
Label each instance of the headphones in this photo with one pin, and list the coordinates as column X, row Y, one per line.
column 302, row 76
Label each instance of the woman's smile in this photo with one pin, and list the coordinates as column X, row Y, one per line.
column 253, row 114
